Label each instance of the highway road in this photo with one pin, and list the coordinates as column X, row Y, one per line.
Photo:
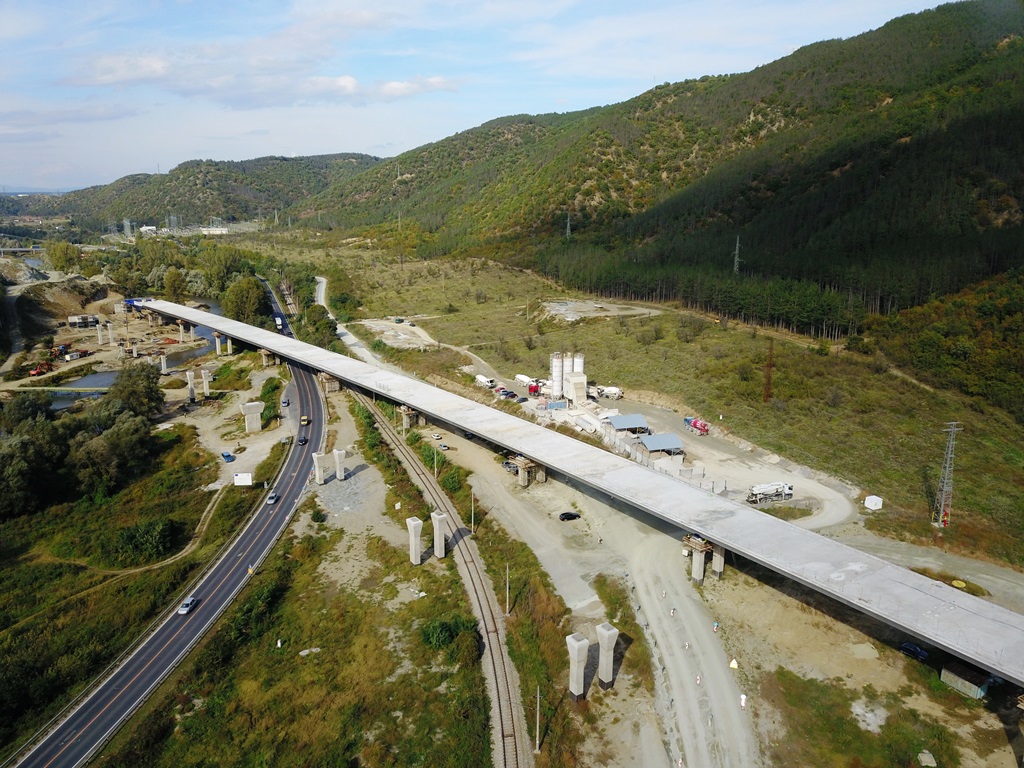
column 93, row 721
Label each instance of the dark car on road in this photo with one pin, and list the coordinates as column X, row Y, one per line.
column 914, row 651
column 302, row 440
column 565, row 516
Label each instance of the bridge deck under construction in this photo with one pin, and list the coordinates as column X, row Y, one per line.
column 984, row 634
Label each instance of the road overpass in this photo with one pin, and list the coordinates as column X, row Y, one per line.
column 967, row 627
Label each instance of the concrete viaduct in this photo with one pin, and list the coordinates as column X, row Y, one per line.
column 976, row 631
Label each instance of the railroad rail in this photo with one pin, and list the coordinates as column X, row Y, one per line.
column 508, row 720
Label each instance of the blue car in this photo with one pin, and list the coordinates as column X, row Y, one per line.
column 228, row 458
column 913, row 651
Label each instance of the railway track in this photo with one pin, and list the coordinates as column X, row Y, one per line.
column 509, row 737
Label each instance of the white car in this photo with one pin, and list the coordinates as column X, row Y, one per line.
column 443, row 447
column 188, row 605
column 272, row 498
column 435, row 436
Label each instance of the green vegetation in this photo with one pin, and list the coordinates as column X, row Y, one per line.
column 199, row 189
column 637, row 656
column 973, row 342
column 823, row 731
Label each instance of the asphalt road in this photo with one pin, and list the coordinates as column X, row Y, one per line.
column 95, row 720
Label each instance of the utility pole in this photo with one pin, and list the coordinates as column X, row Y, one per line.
column 944, row 496
column 768, row 370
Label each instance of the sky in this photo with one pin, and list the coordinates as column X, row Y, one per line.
column 93, row 91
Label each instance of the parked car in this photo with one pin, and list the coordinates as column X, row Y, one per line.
column 228, row 458
column 443, row 446
column 565, row 516
column 285, row 403
column 914, row 651
column 508, row 466
column 435, row 436
column 510, row 395
column 302, row 440
column 522, row 399
column 399, row 320
column 187, row 606
column 272, row 498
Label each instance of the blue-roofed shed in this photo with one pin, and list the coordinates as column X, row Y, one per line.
column 667, row 443
column 633, row 422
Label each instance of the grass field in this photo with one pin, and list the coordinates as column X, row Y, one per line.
column 66, row 612
column 842, row 413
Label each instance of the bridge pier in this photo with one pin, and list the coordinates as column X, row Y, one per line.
column 318, row 469
column 718, row 561
column 415, row 525
column 207, row 377
column 230, row 350
column 607, row 635
column 216, row 339
column 252, row 411
column 191, row 377
column 439, row 542
column 578, row 646
column 181, row 330
column 339, row 464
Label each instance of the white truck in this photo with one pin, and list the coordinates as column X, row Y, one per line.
column 769, row 492
column 612, row 393
column 483, row 381
column 522, row 378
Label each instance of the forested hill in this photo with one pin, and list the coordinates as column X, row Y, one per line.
column 863, row 174
column 198, row 189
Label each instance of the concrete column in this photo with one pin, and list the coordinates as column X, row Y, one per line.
column 99, row 334
column 578, row 646
column 230, row 350
column 163, row 364
column 252, row 411
column 192, row 332
column 191, row 376
column 697, row 574
column 318, row 469
column 415, row 525
column 606, row 637
column 135, row 351
column 540, row 473
column 339, row 464
column 439, row 544
column 216, row 339
column 263, row 355
column 406, row 418
column 207, row 377
column 110, row 333
column 523, row 477
column 718, row 561
column 181, row 330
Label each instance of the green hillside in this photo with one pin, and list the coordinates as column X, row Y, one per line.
column 199, row 189
column 868, row 174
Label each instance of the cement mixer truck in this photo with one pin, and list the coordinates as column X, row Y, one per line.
column 769, row 492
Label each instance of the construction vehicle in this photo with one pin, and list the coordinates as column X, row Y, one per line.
column 43, row 367
column 484, row 381
column 699, row 426
column 769, row 492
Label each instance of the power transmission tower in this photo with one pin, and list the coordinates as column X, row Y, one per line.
column 736, row 257
column 944, row 496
